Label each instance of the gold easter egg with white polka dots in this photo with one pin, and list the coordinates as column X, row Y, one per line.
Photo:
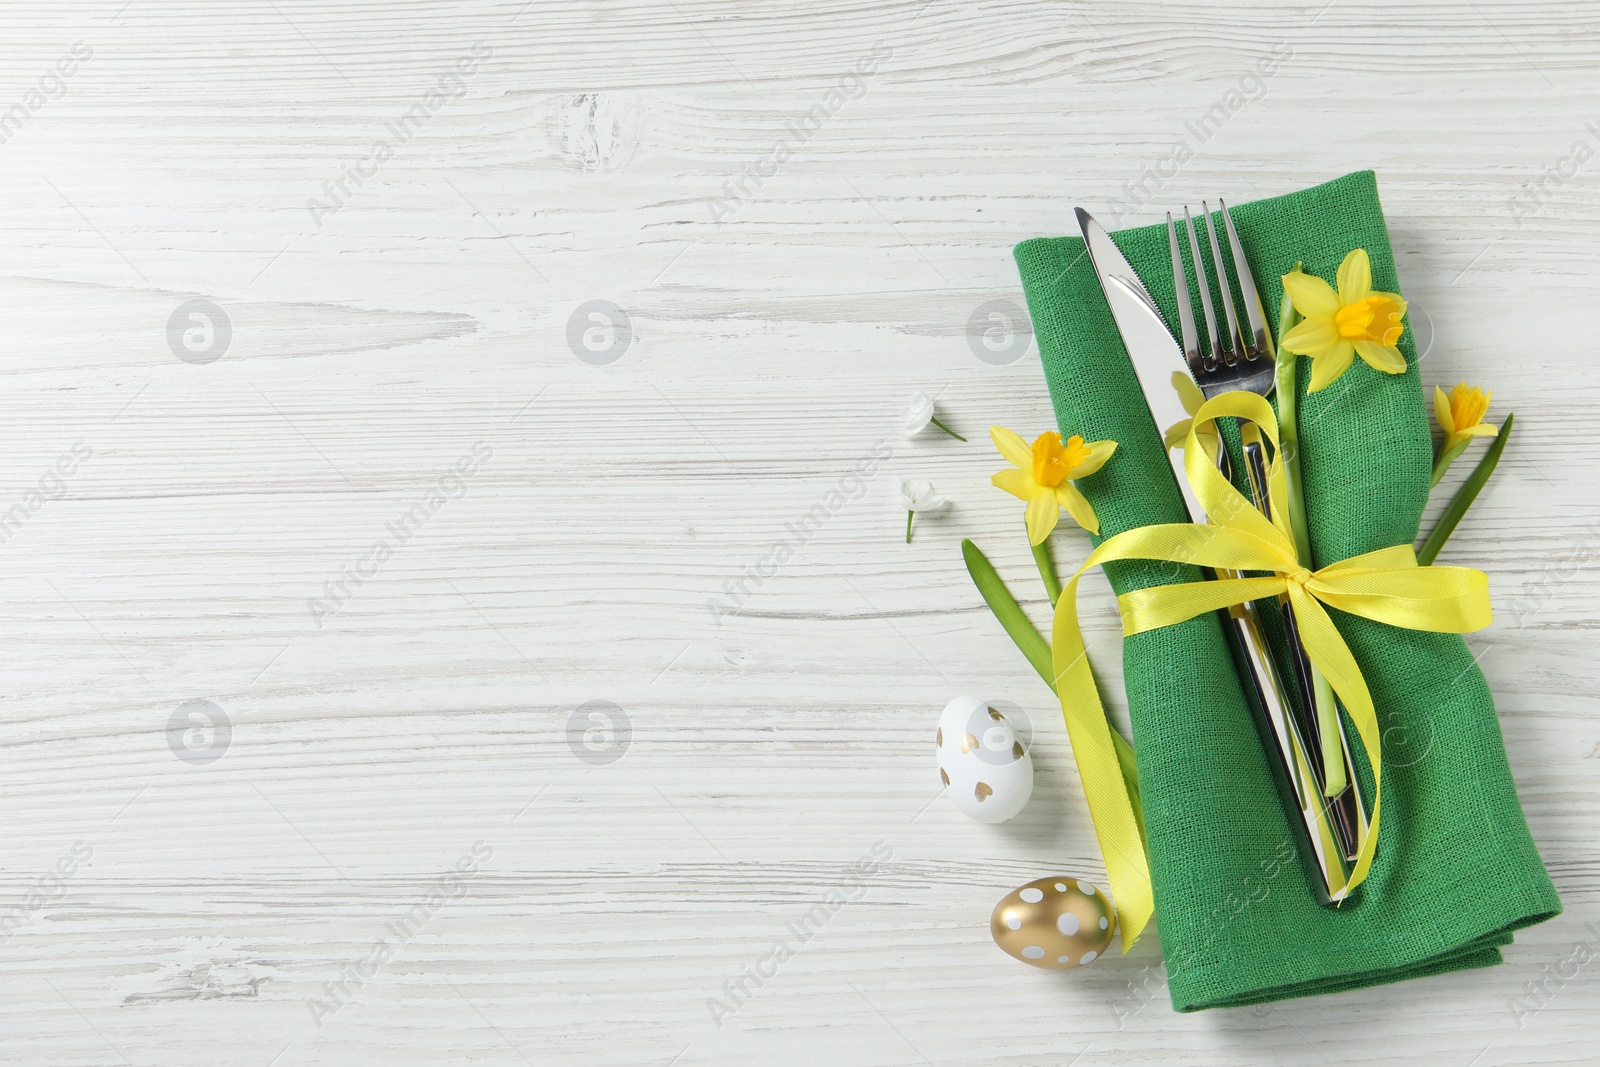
column 1054, row 923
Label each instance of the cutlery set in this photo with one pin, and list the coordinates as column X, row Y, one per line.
column 1238, row 355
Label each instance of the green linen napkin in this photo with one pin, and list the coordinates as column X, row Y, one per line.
column 1456, row 870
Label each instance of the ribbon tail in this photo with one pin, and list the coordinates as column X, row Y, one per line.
column 1331, row 655
column 1110, row 807
column 1451, row 600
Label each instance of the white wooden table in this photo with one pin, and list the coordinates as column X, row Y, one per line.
column 309, row 591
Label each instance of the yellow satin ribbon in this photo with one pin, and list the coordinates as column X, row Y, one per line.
column 1385, row 585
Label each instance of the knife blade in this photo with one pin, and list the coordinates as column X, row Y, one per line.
column 1152, row 349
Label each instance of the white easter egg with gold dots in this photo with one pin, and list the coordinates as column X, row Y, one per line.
column 985, row 768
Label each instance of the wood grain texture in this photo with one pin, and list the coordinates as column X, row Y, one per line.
column 436, row 703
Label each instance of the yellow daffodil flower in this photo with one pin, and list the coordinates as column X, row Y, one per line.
column 1042, row 475
column 1191, row 397
column 1338, row 326
column 1461, row 414
column 1189, row 393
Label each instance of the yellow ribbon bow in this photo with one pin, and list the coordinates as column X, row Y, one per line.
column 1385, row 585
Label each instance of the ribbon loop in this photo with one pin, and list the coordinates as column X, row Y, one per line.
column 1385, row 585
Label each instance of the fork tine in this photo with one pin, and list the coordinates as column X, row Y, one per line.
column 1247, row 291
column 1210, row 361
column 1228, row 351
column 1180, row 285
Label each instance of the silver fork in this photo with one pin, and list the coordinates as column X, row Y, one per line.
column 1239, row 360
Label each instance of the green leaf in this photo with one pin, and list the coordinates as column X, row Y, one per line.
column 1033, row 645
column 1008, row 611
column 1465, row 495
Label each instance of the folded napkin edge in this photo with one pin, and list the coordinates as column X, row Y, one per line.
column 1524, row 905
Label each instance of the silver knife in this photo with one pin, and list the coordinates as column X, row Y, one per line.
column 1155, row 354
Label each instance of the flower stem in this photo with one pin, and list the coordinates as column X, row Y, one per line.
column 1037, row 650
column 1047, row 569
column 1321, row 695
column 909, row 516
column 1447, row 457
column 947, row 429
column 1334, row 780
column 1465, row 496
column 1288, row 430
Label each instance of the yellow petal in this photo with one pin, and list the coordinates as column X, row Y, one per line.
column 1355, row 277
column 1386, row 358
column 1188, row 392
column 1019, row 483
column 1312, row 296
column 1179, row 433
column 1483, row 429
column 1312, row 337
column 1068, row 497
column 1012, row 447
column 1326, row 368
column 1468, row 406
column 1043, row 514
column 1399, row 300
column 1099, row 452
column 1441, row 412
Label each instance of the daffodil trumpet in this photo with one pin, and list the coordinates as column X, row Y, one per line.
column 1460, row 416
column 1339, row 325
column 1042, row 474
column 1287, row 389
column 1385, row 585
